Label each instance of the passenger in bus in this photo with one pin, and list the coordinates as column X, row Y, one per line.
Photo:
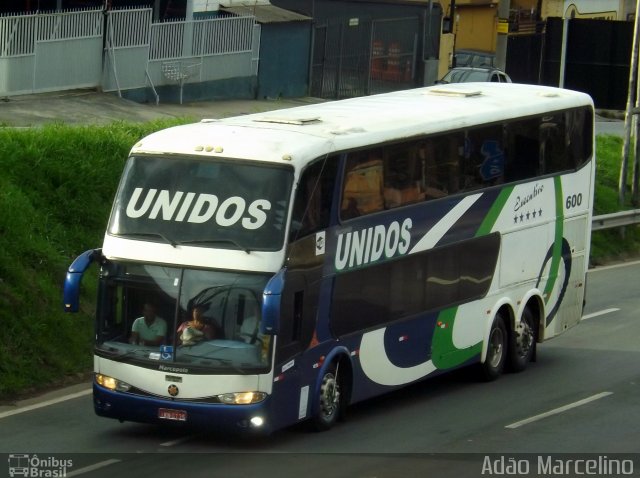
column 148, row 329
column 363, row 185
column 427, row 154
column 197, row 329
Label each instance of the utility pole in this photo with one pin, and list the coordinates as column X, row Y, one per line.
column 187, row 45
column 635, row 194
column 156, row 10
column 630, row 111
column 503, row 36
column 563, row 51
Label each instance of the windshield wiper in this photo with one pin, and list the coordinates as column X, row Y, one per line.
column 218, row 241
column 149, row 234
column 116, row 354
column 203, row 358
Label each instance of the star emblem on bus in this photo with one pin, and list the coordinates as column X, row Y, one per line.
column 527, row 216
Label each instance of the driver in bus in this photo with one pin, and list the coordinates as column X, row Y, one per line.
column 148, row 329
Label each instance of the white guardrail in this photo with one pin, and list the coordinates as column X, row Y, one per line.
column 616, row 219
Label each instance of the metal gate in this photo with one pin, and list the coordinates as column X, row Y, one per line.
column 50, row 52
column 141, row 54
column 524, row 53
column 597, row 60
column 364, row 57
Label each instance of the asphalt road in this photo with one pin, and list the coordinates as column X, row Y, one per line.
column 609, row 126
column 581, row 396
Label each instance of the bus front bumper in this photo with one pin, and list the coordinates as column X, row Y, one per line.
column 210, row 416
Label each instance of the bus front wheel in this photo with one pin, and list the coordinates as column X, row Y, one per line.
column 329, row 402
column 497, row 345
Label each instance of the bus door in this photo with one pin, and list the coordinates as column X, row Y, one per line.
column 303, row 284
column 293, row 370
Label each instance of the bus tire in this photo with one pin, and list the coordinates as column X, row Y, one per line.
column 497, row 345
column 523, row 342
column 329, row 401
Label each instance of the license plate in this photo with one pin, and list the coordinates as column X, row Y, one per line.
column 169, row 414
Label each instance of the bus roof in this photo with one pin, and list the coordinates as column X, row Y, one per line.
column 297, row 135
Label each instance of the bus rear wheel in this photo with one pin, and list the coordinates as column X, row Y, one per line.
column 497, row 345
column 329, row 403
column 523, row 342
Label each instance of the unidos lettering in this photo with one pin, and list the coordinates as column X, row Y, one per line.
column 197, row 208
column 365, row 246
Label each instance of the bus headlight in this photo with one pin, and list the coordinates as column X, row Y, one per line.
column 112, row 383
column 242, row 398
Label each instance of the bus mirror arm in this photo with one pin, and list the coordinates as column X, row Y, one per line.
column 74, row 278
column 272, row 297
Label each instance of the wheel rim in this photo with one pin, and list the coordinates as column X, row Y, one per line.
column 496, row 347
column 329, row 396
column 524, row 341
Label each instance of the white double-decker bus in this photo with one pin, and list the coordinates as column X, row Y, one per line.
column 338, row 251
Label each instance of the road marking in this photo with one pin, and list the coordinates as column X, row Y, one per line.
column 178, row 441
column 53, row 401
column 556, row 411
column 597, row 314
column 93, row 467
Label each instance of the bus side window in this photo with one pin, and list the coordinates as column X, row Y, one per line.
column 553, row 146
column 363, row 185
column 484, row 158
column 312, row 204
column 449, row 151
column 579, row 134
column 523, row 161
column 439, row 167
column 402, row 175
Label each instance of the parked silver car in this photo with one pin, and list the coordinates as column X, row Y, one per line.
column 465, row 74
column 475, row 58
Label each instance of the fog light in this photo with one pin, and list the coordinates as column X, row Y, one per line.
column 257, row 421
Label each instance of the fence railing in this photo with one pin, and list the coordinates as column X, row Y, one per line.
column 201, row 38
column 615, row 219
column 130, row 28
column 19, row 34
column 79, row 49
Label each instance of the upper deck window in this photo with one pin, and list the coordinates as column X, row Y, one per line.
column 222, row 203
column 386, row 176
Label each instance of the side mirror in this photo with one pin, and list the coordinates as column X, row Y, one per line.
column 74, row 277
column 272, row 298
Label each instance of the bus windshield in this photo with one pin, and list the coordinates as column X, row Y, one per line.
column 224, row 203
column 195, row 319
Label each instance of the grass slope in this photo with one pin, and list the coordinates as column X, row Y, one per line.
column 56, row 189
column 611, row 244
